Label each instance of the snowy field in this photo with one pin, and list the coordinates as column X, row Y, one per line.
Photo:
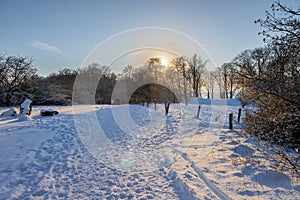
column 136, row 152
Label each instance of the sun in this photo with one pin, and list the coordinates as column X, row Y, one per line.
column 164, row 61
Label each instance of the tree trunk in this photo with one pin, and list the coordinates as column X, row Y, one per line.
column 185, row 95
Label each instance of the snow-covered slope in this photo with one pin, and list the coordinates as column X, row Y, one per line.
column 135, row 152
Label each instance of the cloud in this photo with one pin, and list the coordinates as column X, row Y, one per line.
column 46, row 47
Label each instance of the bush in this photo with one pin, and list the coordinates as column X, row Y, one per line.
column 277, row 122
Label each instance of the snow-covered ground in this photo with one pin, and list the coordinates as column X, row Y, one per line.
column 135, row 152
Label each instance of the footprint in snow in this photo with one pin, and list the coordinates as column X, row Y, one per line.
column 244, row 150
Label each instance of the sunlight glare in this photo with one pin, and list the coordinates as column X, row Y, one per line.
column 164, row 61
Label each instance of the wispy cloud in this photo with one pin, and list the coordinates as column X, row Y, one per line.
column 46, row 47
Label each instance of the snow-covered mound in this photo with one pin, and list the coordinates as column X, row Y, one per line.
column 23, row 118
column 10, row 113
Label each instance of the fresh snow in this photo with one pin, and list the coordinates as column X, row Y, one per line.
column 10, row 113
column 136, row 152
column 26, row 106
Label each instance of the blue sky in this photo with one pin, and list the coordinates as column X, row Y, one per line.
column 61, row 33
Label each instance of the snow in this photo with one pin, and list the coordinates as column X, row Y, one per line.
column 46, row 110
column 10, row 113
column 135, row 152
column 26, row 106
column 23, row 117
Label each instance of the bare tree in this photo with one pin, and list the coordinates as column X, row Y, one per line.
column 196, row 70
column 282, row 26
column 154, row 66
column 270, row 78
column 282, row 30
column 127, row 72
column 229, row 79
column 15, row 73
column 210, row 81
column 94, row 84
column 172, row 77
column 219, row 80
column 180, row 64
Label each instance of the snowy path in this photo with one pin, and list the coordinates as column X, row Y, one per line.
column 62, row 168
column 141, row 154
column 213, row 120
column 204, row 179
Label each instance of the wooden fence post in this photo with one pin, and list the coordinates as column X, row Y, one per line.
column 239, row 115
column 198, row 112
column 167, row 105
column 230, row 121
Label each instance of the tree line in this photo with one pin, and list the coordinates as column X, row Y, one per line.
column 187, row 77
column 19, row 80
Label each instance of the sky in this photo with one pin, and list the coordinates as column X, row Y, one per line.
column 61, row 34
